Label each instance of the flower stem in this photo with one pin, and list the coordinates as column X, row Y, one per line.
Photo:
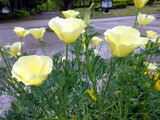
column 42, row 44
column 5, row 60
column 46, row 96
column 135, row 23
column 100, row 47
column 21, row 44
column 92, row 78
column 67, row 45
column 67, row 52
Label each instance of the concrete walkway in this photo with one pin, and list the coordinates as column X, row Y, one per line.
column 53, row 43
column 101, row 25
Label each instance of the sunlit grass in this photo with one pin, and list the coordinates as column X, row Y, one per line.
column 130, row 10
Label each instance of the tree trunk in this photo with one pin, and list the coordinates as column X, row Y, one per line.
column 90, row 2
column 27, row 5
column 12, row 5
column 84, row 3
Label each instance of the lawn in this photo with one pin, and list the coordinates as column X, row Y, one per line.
column 130, row 10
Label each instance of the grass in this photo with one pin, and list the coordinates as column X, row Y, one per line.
column 130, row 10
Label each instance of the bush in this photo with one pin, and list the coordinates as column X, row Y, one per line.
column 150, row 2
column 157, row 3
column 97, row 6
column 52, row 5
column 119, row 5
column 119, row 1
column 33, row 11
column 130, row 2
column 41, row 8
column 4, row 17
column 20, row 14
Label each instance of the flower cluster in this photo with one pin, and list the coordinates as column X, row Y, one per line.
column 84, row 85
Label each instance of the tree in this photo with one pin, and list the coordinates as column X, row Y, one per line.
column 20, row 4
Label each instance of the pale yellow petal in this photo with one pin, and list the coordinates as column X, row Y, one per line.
column 71, row 36
column 27, row 67
column 123, row 40
column 37, row 79
column 70, row 13
column 47, row 62
column 140, row 3
column 32, row 70
column 57, row 24
column 143, row 19
column 68, row 29
column 37, row 32
column 151, row 34
column 20, row 32
column 96, row 40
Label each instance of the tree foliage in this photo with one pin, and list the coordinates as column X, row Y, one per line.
column 20, row 4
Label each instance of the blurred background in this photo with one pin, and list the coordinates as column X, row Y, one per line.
column 17, row 9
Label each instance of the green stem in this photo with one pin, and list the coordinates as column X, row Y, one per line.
column 42, row 44
column 94, row 82
column 62, row 95
column 135, row 23
column 5, row 60
column 21, row 45
column 112, row 66
column 100, row 47
column 66, row 61
column 48, row 99
column 67, row 51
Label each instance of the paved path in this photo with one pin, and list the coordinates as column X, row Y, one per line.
column 8, row 36
column 53, row 43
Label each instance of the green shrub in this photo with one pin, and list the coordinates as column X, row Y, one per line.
column 4, row 17
column 130, row 2
column 157, row 3
column 20, row 14
column 118, row 1
column 119, row 5
column 52, row 5
column 96, row 6
column 33, row 11
column 150, row 2
column 41, row 8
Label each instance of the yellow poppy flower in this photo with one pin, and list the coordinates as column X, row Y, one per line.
column 15, row 49
column 96, row 52
column 91, row 94
column 96, row 41
column 140, row 3
column 32, row 70
column 156, row 76
column 157, row 85
column 146, row 116
column 68, row 30
column 20, row 32
column 70, row 13
column 37, row 33
column 143, row 19
column 156, row 39
column 123, row 40
column 151, row 34
column 151, row 66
